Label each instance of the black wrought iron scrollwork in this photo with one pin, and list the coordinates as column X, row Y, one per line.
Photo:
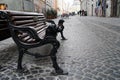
column 3, row 15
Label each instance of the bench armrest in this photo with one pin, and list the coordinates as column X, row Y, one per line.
column 28, row 29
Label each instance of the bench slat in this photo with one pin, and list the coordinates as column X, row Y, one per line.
column 14, row 18
column 22, row 22
column 40, row 28
column 18, row 13
column 40, row 31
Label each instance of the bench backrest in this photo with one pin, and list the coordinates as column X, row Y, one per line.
column 36, row 20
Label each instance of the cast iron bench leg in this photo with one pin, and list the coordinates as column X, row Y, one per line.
column 21, row 53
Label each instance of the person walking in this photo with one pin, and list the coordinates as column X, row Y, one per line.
column 61, row 27
column 80, row 12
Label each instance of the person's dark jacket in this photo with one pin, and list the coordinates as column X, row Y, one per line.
column 51, row 31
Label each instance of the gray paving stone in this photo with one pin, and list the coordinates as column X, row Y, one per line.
column 29, row 76
column 111, row 78
column 102, row 75
column 62, row 78
column 41, row 71
column 97, row 78
column 86, row 79
column 22, row 78
column 116, row 75
column 41, row 79
column 7, row 78
column 50, row 78
column 79, row 77
column 109, row 71
column 33, row 79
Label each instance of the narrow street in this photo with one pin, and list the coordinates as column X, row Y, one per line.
column 91, row 52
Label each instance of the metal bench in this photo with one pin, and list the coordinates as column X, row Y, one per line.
column 28, row 30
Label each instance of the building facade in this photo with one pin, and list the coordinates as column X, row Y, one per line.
column 49, row 4
column 39, row 6
column 19, row 5
column 55, row 4
column 89, row 6
column 110, row 8
column 101, row 8
column 75, row 6
column 61, row 7
column 28, row 5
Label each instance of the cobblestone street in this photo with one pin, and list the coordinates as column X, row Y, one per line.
column 91, row 52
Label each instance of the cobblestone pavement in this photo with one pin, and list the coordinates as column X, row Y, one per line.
column 92, row 52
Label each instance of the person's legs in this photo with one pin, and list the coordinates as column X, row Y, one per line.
column 53, row 56
column 63, row 38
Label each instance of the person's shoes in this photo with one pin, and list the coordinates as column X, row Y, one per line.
column 0, row 67
column 59, row 73
column 63, row 39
